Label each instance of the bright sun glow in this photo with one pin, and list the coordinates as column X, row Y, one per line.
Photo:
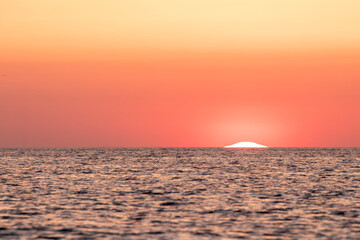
column 246, row 145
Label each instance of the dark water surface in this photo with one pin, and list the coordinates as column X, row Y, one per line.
column 180, row 193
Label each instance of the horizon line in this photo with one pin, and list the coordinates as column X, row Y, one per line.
column 75, row 147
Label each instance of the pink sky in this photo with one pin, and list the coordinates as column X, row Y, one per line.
column 115, row 74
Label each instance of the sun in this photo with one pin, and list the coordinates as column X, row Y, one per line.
column 246, row 145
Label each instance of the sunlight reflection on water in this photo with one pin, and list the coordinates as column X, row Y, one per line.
column 182, row 193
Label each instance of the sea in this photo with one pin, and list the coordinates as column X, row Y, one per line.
column 180, row 193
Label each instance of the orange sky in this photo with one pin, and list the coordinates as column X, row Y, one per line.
column 179, row 73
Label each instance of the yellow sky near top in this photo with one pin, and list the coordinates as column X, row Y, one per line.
column 114, row 27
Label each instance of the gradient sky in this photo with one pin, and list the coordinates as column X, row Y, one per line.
column 198, row 73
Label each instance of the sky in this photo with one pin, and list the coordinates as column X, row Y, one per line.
column 189, row 73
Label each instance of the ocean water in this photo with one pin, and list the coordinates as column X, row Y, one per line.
column 180, row 193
